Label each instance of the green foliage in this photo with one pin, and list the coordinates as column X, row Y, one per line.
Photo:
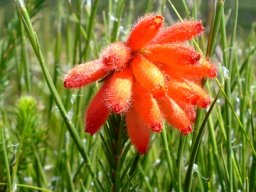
column 42, row 143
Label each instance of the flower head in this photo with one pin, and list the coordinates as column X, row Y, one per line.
column 154, row 75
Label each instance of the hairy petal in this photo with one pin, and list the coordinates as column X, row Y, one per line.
column 203, row 69
column 144, row 30
column 84, row 74
column 119, row 91
column 116, row 56
column 174, row 115
column 188, row 109
column 179, row 32
column 188, row 92
column 138, row 131
column 171, row 54
column 148, row 75
column 97, row 113
column 147, row 108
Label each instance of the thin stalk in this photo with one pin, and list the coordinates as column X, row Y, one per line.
column 24, row 59
column 36, row 46
column 17, row 159
column 194, row 10
column 149, row 188
column 236, row 117
column 117, row 156
column 216, row 153
column 179, row 161
column 90, row 29
column 69, row 177
column 117, row 21
column 40, row 167
column 228, row 116
column 29, row 187
column 194, row 152
column 57, row 53
column 253, row 165
column 184, row 3
column 5, row 155
column 167, row 151
column 18, row 69
column 214, row 29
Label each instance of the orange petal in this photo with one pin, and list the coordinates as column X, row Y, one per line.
column 174, row 115
column 147, row 108
column 97, row 113
column 171, row 54
column 116, row 56
column 138, row 131
column 202, row 69
column 143, row 32
column 203, row 100
column 179, row 32
column 148, row 75
column 188, row 109
column 119, row 91
column 84, row 74
column 188, row 92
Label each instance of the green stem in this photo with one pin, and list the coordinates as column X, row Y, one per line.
column 36, row 46
column 57, row 54
column 214, row 29
column 184, row 3
column 29, row 187
column 179, row 161
column 5, row 155
column 69, row 177
column 90, row 29
column 117, row 21
column 194, row 152
column 236, row 117
column 167, row 151
column 118, row 148
column 228, row 116
column 24, row 59
column 40, row 167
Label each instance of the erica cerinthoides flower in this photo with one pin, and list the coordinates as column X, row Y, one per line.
column 154, row 75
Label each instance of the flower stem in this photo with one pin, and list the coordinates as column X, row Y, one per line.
column 117, row 151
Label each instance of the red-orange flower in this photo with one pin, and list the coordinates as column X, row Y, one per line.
column 154, row 75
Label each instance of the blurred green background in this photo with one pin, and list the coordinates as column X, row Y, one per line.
column 247, row 10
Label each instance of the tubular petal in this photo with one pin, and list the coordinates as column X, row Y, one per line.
column 203, row 100
column 179, row 32
column 116, row 56
column 188, row 109
column 84, row 74
column 171, row 54
column 188, row 92
column 119, row 91
column 138, row 131
column 97, row 113
column 174, row 115
column 144, row 31
column 147, row 108
column 198, row 71
column 148, row 75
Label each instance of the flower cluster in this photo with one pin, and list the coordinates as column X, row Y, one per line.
column 154, row 75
